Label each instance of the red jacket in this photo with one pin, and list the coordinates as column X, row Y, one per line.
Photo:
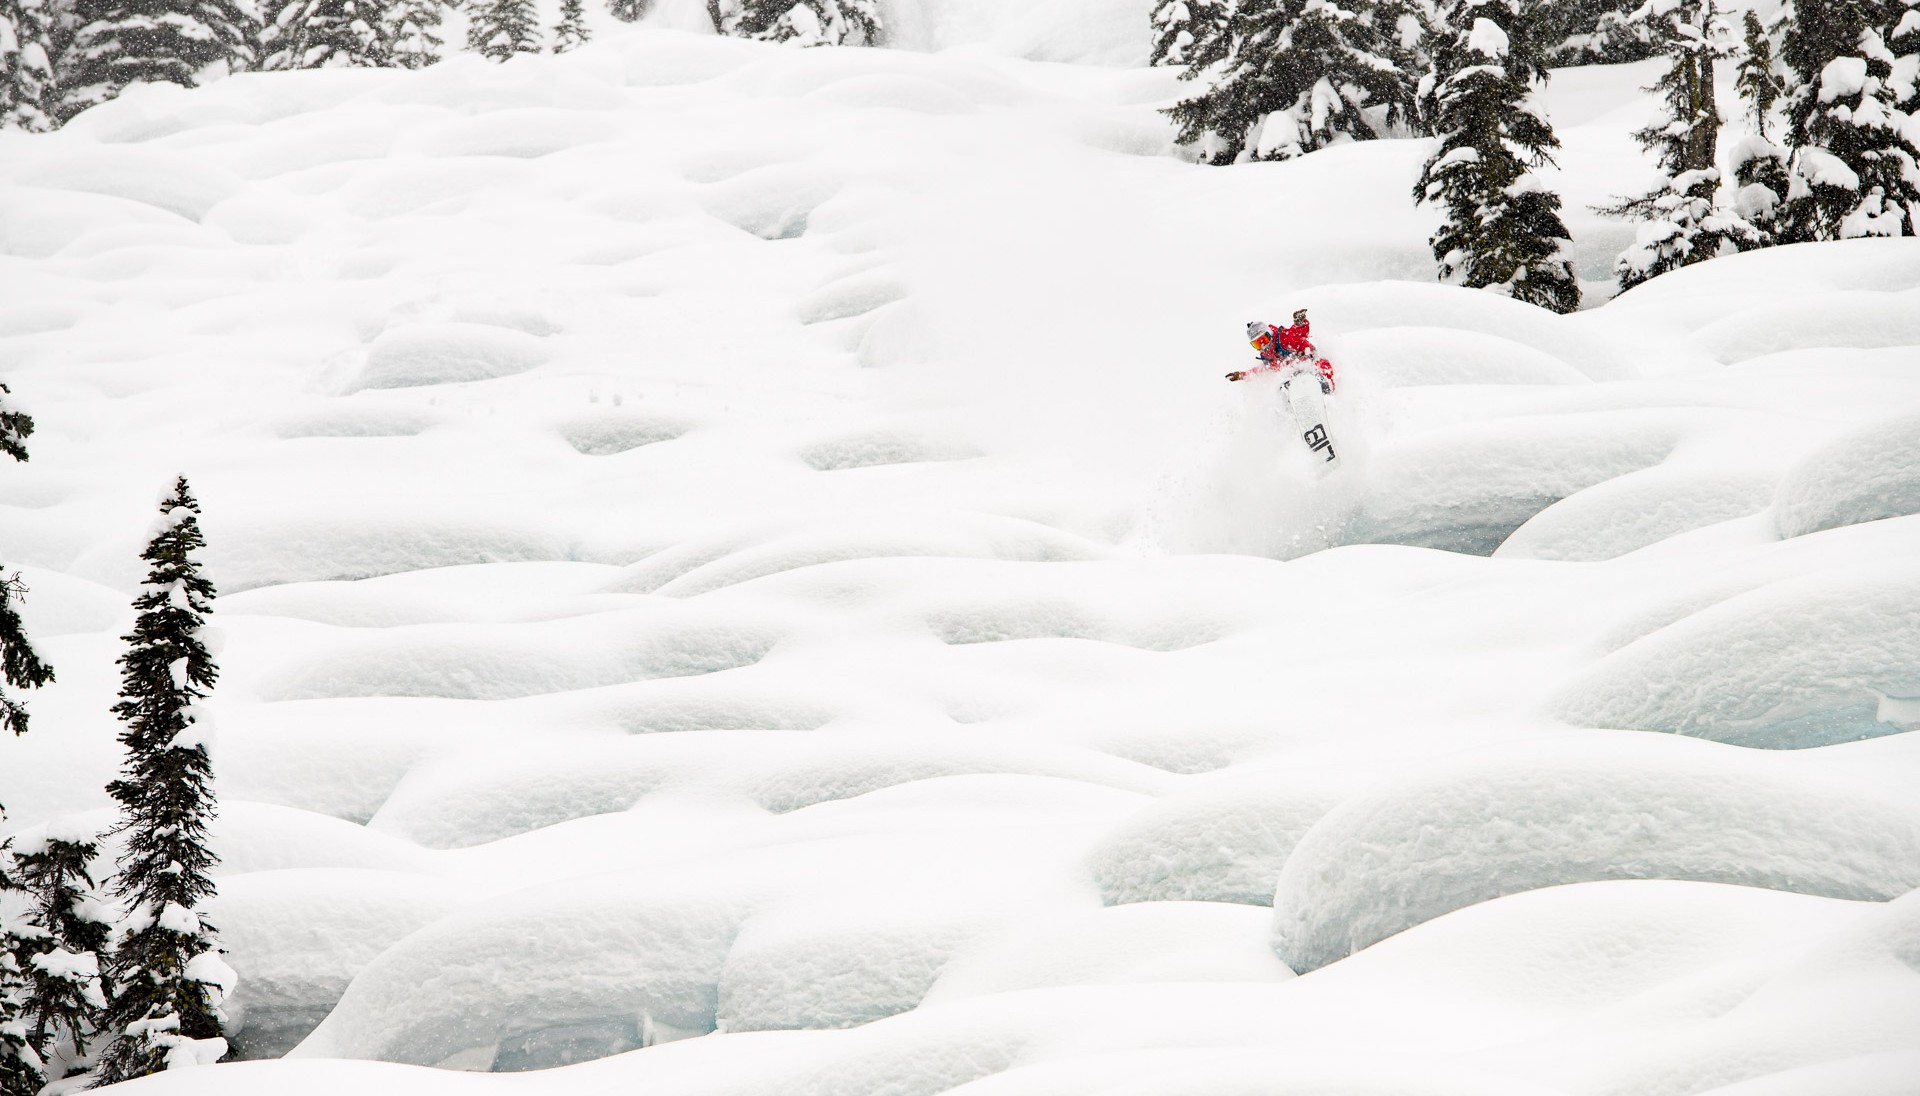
column 1292, row 348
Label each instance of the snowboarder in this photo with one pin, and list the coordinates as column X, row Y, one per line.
column 1285, row 349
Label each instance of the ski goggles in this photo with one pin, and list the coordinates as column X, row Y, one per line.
column 1263, row 342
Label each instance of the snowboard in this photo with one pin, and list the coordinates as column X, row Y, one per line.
column 1305, row 407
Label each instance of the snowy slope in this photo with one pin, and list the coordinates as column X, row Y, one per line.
column 752, row 547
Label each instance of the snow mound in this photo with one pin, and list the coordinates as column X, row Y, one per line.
column 449, row 353
column 255, row 837
column 1640, row 508
column 393, row 189
column 1560, row 953
column 1467, row 488
column 1341, row 311
column 1041, row 617
column 36, row 222
column 297, row 938
column 161, row 178
column 1869, row 473
column 773, row 202
column 607, row 433
column 1887, row 1073
column 522, row 133
column 709, row 704
column 490, row 796
column 1401, row 357
column 498, row 662
column 869, row 450
column 1803, row 662
column 887, row 92
column 791, row 971
column 356, row 422
column 249, row 218
column 1821, row 1013
column 336, row 757
column 852, row 296
column 699, row 566
column 1222, row 838
column 1650, row 807
column 263, row 549
column 609, row 949
column 1861, row 321
column 1149, row 942
column 57, row 604
column 453, row 804
column 835, row 769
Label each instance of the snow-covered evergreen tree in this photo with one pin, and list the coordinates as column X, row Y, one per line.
column 21, row 1071
column 61, row 960
column 412, row 31
column 1503, row 229
column 26, row 64
column 20, row 664
column 571, row 32
column 1904, row 41
column 498, row 29
column 1759, row 166
column 166, row 982
column 16, row 426
column 303, row 34
column 1592, row 32
column 1193, row 33
column 803, row 22
column 121, row 42
column 1856, row 170
column 1681, row 219
column 1304, row 74
column 628, row 11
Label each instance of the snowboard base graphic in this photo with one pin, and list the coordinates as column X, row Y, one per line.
column 1304, row 406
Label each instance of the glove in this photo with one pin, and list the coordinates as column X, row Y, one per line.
column 1326, row 387
column 1235, row 376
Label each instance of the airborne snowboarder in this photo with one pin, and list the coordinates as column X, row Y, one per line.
column 1285, row 350
column 1288, row 352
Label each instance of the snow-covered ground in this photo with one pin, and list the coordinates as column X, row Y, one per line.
column 750, row 548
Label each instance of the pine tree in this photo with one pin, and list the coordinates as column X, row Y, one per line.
column 21, row 1071
column 26, row 68
column 1904, row 41
column 1759, row 165
column 629, row 11
column 121, row 42
column 1855, row 171
column 304, row 34
column 412, row 30
column 1193, row 33
column 1593, row 32
column 16, row 427
column 1682, row 221
column 571, row 33
column 802, row 22
column 62, row 965
column 1503, row 229
column 1305, row 74
column 498, row 29
column 20, row 665
column 165, row 978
